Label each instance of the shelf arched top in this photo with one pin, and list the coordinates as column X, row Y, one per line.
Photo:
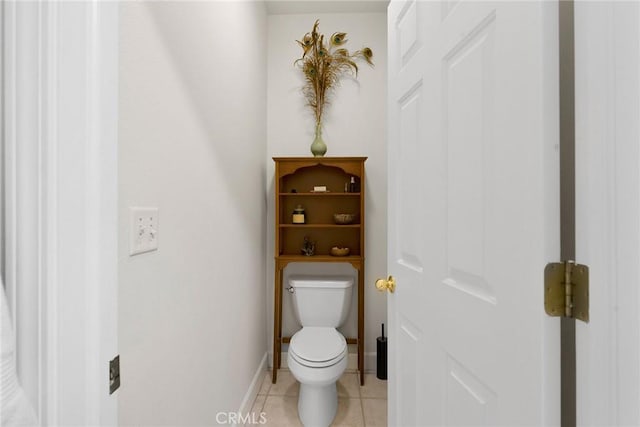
column 291, row 165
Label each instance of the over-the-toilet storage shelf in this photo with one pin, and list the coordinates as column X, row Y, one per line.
column 302, row 174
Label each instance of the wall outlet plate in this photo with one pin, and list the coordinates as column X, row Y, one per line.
column 143, row 230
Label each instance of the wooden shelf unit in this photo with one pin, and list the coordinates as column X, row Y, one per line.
column 295, row 178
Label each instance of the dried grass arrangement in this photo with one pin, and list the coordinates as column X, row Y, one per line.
column 323, row 64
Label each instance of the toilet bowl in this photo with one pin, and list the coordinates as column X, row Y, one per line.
column 317, row 358
column 317, row 355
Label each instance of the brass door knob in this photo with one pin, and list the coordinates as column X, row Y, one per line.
column 388, row 284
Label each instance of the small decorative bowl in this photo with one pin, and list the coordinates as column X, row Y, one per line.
column 344, row 218
column 337, row 251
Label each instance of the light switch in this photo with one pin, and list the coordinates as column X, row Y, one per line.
column 143, row 230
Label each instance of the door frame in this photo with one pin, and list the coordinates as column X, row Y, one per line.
column 607, row 82
column 60, row 104
column 567, row 142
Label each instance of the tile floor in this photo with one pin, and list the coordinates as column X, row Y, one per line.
column 357, row 406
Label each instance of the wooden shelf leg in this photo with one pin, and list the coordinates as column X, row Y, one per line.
column 277, row 327
column 361, row 323
column 280, row 278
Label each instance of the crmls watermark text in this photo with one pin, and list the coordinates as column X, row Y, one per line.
column 239, row 418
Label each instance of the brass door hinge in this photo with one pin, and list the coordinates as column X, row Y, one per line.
column 566, row 290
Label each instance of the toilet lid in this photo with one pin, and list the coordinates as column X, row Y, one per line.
column 317, row 345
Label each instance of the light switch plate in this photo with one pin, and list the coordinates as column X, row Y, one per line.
column 143, row 230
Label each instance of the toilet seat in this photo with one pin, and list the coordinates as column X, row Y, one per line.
column 318, row 347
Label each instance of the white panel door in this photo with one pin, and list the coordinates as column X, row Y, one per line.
column 473, row 212
column 607, row 83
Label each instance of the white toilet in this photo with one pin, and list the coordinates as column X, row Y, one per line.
column 317, row 355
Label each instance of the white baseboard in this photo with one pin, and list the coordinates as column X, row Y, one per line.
column 370, row 363
column 254, row 387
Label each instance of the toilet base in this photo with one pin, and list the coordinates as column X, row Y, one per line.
column 317, row 405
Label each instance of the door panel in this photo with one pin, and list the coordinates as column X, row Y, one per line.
column 410, row 340
column 472, row 180
column 409, row 181
column 467, row 76
column 469, row 401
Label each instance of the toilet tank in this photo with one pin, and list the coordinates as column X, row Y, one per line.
column 321, row 300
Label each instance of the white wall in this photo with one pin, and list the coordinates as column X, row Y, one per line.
column 354, row 125
column 192, row 142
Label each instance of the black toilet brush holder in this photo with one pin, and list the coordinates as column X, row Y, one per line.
column 381, row 343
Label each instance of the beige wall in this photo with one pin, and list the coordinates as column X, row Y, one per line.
column 192, row 143
column 355, row 125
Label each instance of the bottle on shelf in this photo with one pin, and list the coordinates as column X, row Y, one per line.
column 353, row 188
column 298, row 215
